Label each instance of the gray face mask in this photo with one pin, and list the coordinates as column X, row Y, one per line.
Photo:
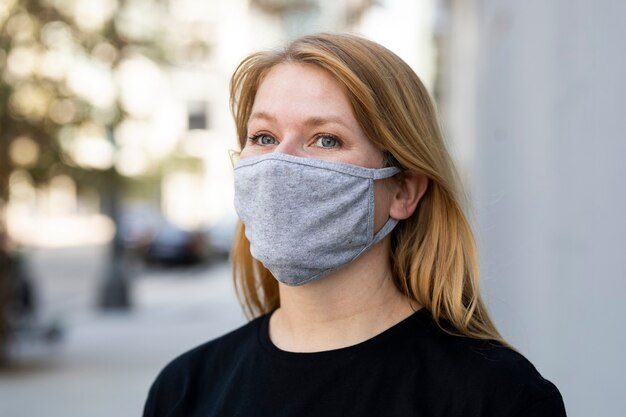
column 306, row 217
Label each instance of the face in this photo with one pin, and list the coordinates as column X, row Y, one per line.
column 301, row 110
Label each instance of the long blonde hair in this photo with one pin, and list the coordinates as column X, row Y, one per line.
column 433, row 253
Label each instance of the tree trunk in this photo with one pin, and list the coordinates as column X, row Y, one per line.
column 4, row 281
column 4, row 256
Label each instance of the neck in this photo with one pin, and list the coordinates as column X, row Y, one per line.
column 344, row 308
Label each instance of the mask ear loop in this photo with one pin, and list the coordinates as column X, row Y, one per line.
column 234, row 156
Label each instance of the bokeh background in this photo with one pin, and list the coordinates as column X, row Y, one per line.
column 116, row 184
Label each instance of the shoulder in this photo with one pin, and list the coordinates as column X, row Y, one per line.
column 199, row 366
column 213, row 352
column 228, row 344
column 486, row 371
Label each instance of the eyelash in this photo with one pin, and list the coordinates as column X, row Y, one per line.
column 254, row 139
column 329, row 135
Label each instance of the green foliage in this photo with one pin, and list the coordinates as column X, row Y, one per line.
column 54, row 56
column 58, row 66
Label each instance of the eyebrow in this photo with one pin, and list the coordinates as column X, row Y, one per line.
column 311, row 121
column 262, row 115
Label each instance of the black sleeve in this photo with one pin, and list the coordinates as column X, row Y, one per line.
column 166, row 391
column 548, row 407
column 159, row 399
column 149, row 407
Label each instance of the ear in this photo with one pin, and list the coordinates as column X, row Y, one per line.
column 409, row 190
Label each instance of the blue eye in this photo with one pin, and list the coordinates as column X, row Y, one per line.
column 267, row 140
column 328, row 141
column 262, row 139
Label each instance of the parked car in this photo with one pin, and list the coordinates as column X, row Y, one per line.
column 138, row 225
column 173, row 245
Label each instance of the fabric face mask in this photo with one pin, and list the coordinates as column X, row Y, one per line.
column 306, row 217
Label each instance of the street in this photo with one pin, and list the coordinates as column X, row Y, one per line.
column 104, row 363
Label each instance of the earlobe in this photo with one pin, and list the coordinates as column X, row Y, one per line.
column 411, row 187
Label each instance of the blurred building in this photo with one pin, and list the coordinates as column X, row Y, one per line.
column 212, row 37
column 532, row 95
column 173, row 144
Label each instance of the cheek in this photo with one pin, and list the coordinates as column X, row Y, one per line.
column 365, row 156
column 245, row 152
column 249, row 151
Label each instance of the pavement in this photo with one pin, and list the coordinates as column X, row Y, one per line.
column 106, row 361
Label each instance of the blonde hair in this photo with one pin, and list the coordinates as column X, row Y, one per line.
column 433, row 253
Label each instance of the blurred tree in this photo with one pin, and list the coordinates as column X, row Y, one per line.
column 59, row 62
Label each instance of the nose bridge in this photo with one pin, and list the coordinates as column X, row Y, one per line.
column 290, row 144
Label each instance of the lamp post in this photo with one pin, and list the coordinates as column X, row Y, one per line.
column 4, row 257
column 114, row 292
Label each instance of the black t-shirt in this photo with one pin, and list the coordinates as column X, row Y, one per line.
column 412, row 369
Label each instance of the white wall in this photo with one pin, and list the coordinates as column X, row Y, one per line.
column 547, row 177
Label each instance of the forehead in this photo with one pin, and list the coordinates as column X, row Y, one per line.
column 296, row 87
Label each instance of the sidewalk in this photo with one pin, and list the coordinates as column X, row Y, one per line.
column 105, row 363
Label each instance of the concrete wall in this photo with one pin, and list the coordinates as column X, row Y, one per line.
column 535, row 94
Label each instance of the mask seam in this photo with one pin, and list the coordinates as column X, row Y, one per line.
column 370, row 212
column 371, row 173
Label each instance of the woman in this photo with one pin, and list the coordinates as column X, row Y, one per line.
column 354, row 256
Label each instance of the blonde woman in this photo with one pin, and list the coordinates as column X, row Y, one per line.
column 354, row 258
